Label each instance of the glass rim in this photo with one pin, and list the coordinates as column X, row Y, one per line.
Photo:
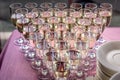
column 28, row 5
column 12, row 6
column 73, row 5
column 106, row 5
column 19, row 10
column 46, row 5
column 37, row 10
column 59, row 5
column 91, row 5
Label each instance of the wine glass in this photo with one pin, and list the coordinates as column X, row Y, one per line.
column 106, row 14
column 46, row 5
column 91, row 6
column 31, row 5
column 85, row 23
column 61, row 5
column 60, row 14
column 13, row 14
column 53, row 21
column 28, row 31
column 44, row 28
column 37, row 11
column 99, row 21
column 70, row 21
column 76, row 6
column 37, row 21
column 45, row 14
column 21, row 23
column 76, row 14
column 106, row 11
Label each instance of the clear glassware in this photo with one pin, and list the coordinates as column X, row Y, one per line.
column 85, row 23
column 22, row 21
column 31, row 5
column 46, row 5
column 37, row 11
column 13, row 14
column 60, row 14
column 30, row 54
column 76, row 6
column 91, row 6
column 44, row 28
column 37, row 21
column 70, row 21
column 37, row 63
column 53, row 21
column 28, row 31
column 77, row 14
column 46, row 14
column 61, row 5
column 106, row 5
column 107, row 12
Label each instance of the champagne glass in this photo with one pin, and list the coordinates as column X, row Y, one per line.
column 91, row 6
column 60, row 5
column 60, row 14
column 46, row 14
column 76, row 6
column 99, row 21
column 21, row 22
column 37, row 21
column 90, row 14
column 37, row 11
column 85, row 23
column 107, row 12
column 44, row 28
column 70, row 21
column 46, row 5
column 31, row 5
column 13, row 14
column 53, row 21
column 28, row 31
column 76, row 14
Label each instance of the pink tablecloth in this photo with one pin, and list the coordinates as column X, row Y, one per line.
column 15, row 67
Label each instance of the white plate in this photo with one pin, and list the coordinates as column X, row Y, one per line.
column 106, row 70
column 115, row 77
column 108, row 55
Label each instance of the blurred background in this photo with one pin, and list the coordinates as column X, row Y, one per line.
column 6, row 27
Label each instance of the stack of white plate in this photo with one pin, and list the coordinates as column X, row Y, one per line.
column 108, row 58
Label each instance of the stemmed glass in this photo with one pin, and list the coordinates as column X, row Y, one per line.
column 70, row 21
column 20, row 23
column 105, row 11
column 85, row 23
column 37, row 11
column 13, row 14
column 60, row 14
column 91, row 6
column 53, row 21
column 76, row 6
column 31, row 5
column 37, row 21
column 46, row 5
column 61, row 5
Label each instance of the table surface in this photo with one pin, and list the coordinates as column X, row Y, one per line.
column 14, row 66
